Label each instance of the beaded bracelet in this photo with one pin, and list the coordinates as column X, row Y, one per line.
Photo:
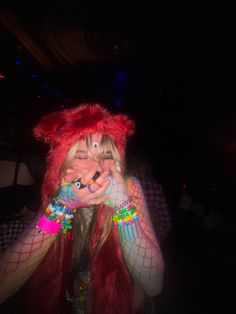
column 125, row 214
column 125, row 203
column 56, row 213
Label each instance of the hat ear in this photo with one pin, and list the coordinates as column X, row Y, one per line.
column 127, row 125
column 48, row 127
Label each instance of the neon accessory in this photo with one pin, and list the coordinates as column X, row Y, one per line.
column 56, row 214
column 90, row 189
column 79, row 184
column 48, row 226
column 125, row 214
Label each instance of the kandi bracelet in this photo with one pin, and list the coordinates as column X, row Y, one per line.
column 56, row 217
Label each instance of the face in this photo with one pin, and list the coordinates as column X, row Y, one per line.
column 84, row 160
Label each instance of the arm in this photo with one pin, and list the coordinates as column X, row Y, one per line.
column 142, row 251
column 19, row 261
column 139, row 244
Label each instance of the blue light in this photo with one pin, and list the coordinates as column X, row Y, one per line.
column 18, row 62
column 45, row 85
column 121, row 80
column 118, row 102
column 34, row 76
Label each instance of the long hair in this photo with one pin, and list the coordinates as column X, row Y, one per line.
column 83, row 234
column 97, row 243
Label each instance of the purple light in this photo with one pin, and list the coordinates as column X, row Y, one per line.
column 18, row 62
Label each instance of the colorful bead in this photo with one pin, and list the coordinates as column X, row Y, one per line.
column 60, row 214
column 125, row 215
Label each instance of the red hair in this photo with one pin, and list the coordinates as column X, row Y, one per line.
column 111, row 285
column 63, row 129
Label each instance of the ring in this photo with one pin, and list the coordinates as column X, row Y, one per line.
column 90, row 189
column 63, row 182
column 79, row 184
column 99, row 185
column 90, row 181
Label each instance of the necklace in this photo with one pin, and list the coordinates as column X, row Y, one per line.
column 80, row 299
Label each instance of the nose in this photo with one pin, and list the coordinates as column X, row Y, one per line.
column 98, row 163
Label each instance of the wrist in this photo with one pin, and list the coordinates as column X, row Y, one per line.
column 130, row 232
column 68, row 198
column 125, row 214
column 48, row 225
column 57, row 217
column 121, row 204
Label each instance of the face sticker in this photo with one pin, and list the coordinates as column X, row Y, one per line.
column 95, row 145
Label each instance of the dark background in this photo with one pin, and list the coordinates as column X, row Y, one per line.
column 182, row 103
column 168, row 74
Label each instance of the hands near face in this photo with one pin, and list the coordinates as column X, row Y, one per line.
column 79, row 187
column 81, row 190
column 116, row 191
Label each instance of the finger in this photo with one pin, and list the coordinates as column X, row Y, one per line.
column 117, row 176
column 98, row 192
column 98, row 183
column 88, row 176
column 97, row 200
column 102, row 178
column 115, row 172
column 69, row 170
column 70, row 176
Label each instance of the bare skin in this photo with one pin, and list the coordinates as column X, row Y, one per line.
column 142, row 254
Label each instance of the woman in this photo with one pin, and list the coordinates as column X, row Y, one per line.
column 110, row 258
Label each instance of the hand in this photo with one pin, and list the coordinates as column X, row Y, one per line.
column 117, row 190
column 91, row 194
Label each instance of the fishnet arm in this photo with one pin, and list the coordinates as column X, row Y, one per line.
column 20, row 260
column 142, row 252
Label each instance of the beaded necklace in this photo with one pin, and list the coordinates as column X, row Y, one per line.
column 80, row 300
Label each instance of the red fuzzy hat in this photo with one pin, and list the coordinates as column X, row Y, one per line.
column 62, row 129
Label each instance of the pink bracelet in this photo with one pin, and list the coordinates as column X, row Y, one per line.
column 49, row 225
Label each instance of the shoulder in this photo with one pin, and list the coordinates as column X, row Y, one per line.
column 133, row 180
column 134, row 186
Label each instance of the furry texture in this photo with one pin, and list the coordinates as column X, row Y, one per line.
column 62, row 129
column 112, row 286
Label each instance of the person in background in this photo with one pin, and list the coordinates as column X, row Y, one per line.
column 92, row 248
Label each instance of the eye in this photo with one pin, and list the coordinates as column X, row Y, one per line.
column 95, row 145
column 108, row 157
column 81, row 156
